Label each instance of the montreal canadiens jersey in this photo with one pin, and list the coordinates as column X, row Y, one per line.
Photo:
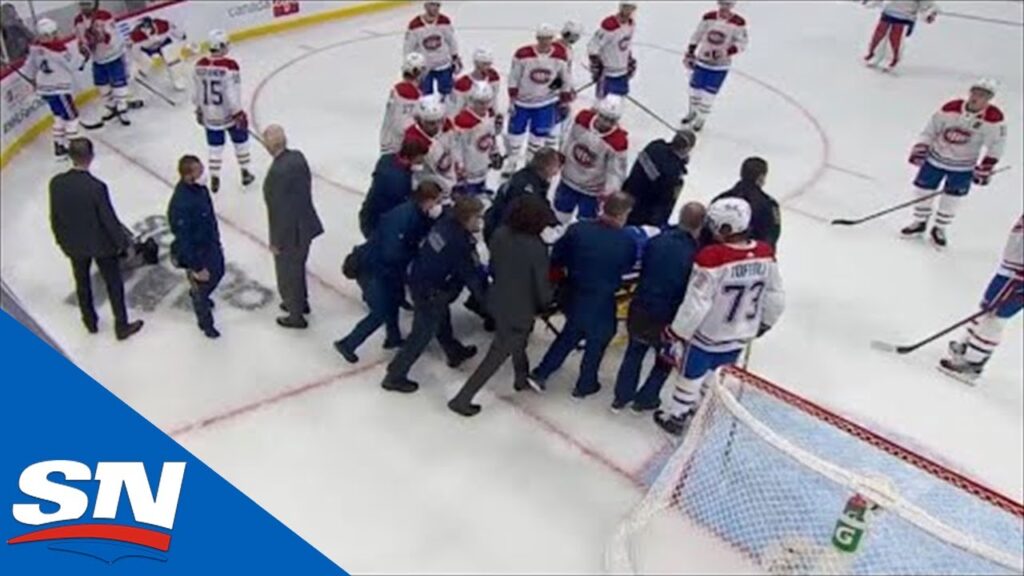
column 434, row 40
column 595, row 163
column 955, row 137
column 612, row 44
column 98, row 36
column 529, row 82
column 1013, row 254
column 719, row 38
column 162, row 32
column 464, row 84
column 398, row 115
column 568, row 59
column 474, row 144
column 217, row 91
column 439, row 165
column 910, row 10
column 734, row 288
column 50, row 65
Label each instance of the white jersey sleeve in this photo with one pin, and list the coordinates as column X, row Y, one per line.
column 217, row 91
column 98, row 36
column 612, row 44
column 956, row 137
column 50, row 65
column 733, row 290
column 595, row 163
column 717, row 39
column 398, row 115
column 1012, row 265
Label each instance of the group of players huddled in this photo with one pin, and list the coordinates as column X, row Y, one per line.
column 446, row 125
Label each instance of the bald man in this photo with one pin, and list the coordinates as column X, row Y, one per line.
column 288, row 191
column 667, row 263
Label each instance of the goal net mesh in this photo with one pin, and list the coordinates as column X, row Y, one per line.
column 795, row 489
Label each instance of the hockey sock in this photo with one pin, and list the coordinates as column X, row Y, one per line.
column 70, row 129
column 242, row 154
column 922, row 210
column 983, row 337
column 947, row 210
column 896, row 32
column 513, row 148
column 534, row 144
column 704, row 102
column 877, row 37
column 59, row 134
column 685, row 396
column 120, row 98
column 108, row 97
column 216, row 160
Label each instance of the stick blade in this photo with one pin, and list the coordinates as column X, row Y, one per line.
column 843, row 222
column 884, row 346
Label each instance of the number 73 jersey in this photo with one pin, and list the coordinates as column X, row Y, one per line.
column 217, row 91
column 733, row 290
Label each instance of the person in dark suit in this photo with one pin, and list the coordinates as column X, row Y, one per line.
column 87, row 229
column 765, row 217
column 384, row 259
column 534, row 179
column 196, row 246
column 664, row 276
column 391, row 184
column 288, row 192
column 656, row 179
column 595, row 253
column 446, row 263
column 521, row 289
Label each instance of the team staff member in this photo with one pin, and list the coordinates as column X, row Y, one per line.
column 656, row 179
column 765, row 217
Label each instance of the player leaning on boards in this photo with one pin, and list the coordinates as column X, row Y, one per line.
column 610, row 49
column 949, row 150
column 432, row 35
column 720, row 35
column 50, row 70
column 898, row 18
column 1004, row 299
column 735, row 295
column 154, row 40
column 217, row 95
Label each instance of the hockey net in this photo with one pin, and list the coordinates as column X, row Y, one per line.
column 793, row 488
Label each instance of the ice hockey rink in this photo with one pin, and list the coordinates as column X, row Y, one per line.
column 382, row 483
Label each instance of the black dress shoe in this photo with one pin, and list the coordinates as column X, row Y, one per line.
column 125, row 332
column 467, row 410
column 399, row 384
column 92, row 327
column 346, row 353
column 293, row 323
column 393, row 344
column 463, row 354
column 283, row 308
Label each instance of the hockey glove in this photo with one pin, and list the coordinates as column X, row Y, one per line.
column 763, row 329
column 566, row 97
column 497, row 161
column 596, row 68
column 983, row 171
column 631, row 69
column 199, row 116
column 241, row 120
column 456, row 65
column 499, row 123
column 918, row 153
column 691, row 57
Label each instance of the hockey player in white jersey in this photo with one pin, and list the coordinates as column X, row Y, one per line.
column 217, row 95
column 432, row 35
column 435, row 131
column 1004, row 299
column 50, row 68
column 897, row 20
column 402, row 103
column 157, row 40
column 734, row 296
column 950, row 150
column 475, row 138
column 721, row 35
column 483, row 71
column 100, row 41
column 572, row 31
column 537, row 83
column 595, row 160
column 611, row 52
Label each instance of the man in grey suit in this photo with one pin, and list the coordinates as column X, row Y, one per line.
column 87, row 229
column 288, row 191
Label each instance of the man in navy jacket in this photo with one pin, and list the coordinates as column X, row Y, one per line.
column 391, row 185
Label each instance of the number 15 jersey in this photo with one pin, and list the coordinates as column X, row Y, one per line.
column 733, row 290
column 217, row 91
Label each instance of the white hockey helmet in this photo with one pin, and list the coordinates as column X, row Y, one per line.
column 609, row 107
column 88, row 5
column 430, row 109
column 627, row 4
column 990, row 85
column 483, row 56
column 545, row 31
column 481, row 92
column 727, row 4
column 46, row 27
column 572, row 31
column 414, row 61
column 219, row 41
column 731, row 212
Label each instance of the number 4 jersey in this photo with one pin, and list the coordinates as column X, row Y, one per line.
column 734, row 289
column 218, row 91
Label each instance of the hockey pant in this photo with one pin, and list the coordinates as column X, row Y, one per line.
column 111, row 78
column 540, row 122
column 65, row 117
column 215, row 138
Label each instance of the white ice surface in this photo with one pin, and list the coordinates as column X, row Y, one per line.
column 388, row 484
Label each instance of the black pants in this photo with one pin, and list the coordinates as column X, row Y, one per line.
column 508, row 341
column 290, row 269
column 200, row 292
column 431, row 318
column 110, row 271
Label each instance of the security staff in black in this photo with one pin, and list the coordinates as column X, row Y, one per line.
column 446, row 263
column 196, row 246
column 656, row 179
column 87, row 229
column 765, row 217
column 534, row 179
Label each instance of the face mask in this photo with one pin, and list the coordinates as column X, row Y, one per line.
column 435, row 211
column 203, row 180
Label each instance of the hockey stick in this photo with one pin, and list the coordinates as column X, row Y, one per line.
column 152, row 90
column 908, row 348
column 651, row 113
column 856, row 221
column 963, row 16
